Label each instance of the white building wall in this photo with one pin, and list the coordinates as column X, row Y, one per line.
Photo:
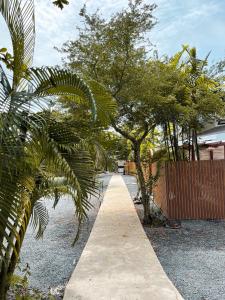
column 218, row 153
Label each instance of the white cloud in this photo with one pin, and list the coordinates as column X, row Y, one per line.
column 55, row 26
column 196, row 22
column 189, row 22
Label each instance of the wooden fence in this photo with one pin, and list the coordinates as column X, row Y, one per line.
column 191, row 190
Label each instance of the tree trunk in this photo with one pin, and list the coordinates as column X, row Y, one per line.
column 3, row 282
column 171, row 142
column 196, row 152
column 175, row 141
column 196, row 145
column 7, row 269
column 144, row 192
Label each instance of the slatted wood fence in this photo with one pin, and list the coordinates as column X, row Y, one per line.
column 191, row 190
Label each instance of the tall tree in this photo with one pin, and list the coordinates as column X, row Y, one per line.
column 114, row 55
column 197, row 100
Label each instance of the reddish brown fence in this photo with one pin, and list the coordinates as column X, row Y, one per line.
column 130, row 168
column 191, row 190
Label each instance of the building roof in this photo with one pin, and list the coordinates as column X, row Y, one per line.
column 214, row 135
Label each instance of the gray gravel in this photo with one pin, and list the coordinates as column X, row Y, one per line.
column 52, row 259
column 193, row 257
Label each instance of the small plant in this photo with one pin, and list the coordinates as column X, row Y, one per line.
column 20, row 290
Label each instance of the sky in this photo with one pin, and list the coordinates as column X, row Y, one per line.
column 199, row 23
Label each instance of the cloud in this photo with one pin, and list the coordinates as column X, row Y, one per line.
column 53, row 27
column 196, row 22
column 189, row 22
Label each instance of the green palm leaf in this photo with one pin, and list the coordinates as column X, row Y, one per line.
column 105, row 103
column 20, row 22
column 39, row 219
column 54, row 81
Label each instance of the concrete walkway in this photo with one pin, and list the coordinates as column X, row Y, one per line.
column 118, row 261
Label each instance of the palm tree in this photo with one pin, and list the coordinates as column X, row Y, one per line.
column 39, row 155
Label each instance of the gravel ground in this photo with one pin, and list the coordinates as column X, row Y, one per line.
column 52, row 259
column 193, row 257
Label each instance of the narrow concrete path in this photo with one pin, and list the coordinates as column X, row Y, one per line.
column 118, row 262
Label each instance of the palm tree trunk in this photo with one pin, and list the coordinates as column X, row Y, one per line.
column 5, row 263
column 11, row 258
column 3, row 282
column 8, row 268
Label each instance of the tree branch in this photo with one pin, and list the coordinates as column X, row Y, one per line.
column 146, row 132
column 124, row 133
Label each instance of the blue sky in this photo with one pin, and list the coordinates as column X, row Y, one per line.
column 199, row 23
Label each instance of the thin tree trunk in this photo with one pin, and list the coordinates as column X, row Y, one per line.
column 196, row 145
column 193, row 146
column 166, row 140
column 189, row 144
column 3, row 282
column 145, row 195
column 175, row 139
column 137, row 158
column 182, row 137
column 171, row 142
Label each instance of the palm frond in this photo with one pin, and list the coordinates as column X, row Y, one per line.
column 39, row 219
column 48, row 81
column 5, row 87
column 20, row 21
column 69, row 160
column 105, row 103
column 33, row 148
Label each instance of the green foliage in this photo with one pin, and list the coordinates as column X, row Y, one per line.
column 113, row 56
column 195, row 100
column 108, row 48
column 176, row 94
column 22, row 36
column 105, row 103
column 6, row 58
column 40, row 155
column 114, row 148
column 20, row 290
